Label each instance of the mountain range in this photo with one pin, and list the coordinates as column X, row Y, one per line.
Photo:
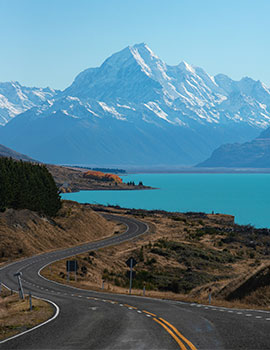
column 133, row 110
column 16, row 99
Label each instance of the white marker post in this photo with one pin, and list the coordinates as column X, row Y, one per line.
column 210, row 294
column 144, row 289
column 30, row 301
column 20, row 288
column 68, row 269
column 130, row 276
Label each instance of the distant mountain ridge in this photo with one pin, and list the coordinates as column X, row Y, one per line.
column 15, row 99
column 253, row 154
column 9, row 153
column 136, row 110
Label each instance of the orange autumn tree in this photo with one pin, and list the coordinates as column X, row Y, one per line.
column 98, row 175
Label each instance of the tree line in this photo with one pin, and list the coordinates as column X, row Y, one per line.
column 24, row 185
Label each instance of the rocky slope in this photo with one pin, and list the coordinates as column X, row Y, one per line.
column 253, row 154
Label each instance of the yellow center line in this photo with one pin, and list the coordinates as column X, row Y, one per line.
column 133, row 307
column 146, row 312
column 179, row 334
column 182, row 346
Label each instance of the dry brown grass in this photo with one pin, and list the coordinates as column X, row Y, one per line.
column 164, row 227
column 25, row 233
column 16, row 316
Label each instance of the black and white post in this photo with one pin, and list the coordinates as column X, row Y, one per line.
column 20, row 288
column 210, row 295
column 130, row 275
column 30, row 301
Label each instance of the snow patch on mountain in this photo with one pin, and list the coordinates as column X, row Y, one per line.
column 16, row 99
column 111, row 110
column 154, row 107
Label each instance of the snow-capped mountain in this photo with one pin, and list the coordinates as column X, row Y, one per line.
column 183, row 92
column 135, row 109
column 15, row 99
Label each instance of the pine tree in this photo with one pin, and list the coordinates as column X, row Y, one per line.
column 25, row 185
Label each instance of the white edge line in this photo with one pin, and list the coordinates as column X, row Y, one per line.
column 49, row 301
column 57, row 311
column 88, row 290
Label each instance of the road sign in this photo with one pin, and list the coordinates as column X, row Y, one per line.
column 72, row 265
column 131, row 262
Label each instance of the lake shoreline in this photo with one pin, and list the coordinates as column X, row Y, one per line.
column 243, row 195
column 194, row 170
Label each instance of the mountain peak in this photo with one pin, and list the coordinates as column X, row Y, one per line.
column 184, row 66
column 140, row 45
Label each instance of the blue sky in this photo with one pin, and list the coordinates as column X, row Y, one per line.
column 48, row 42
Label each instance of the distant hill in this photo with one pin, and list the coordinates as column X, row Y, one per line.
column 7, row 152
column 253, row 154
column 69, row 180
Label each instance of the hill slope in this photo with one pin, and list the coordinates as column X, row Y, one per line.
column 253, row 154
column 25, row 233
column 7, row 152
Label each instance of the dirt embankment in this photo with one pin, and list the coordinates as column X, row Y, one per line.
column 25, row 233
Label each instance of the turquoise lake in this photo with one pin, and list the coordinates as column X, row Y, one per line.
column 246, row 196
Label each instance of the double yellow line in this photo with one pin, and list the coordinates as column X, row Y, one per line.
column 177, row 336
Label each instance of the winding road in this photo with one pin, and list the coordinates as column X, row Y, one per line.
column 92, row 320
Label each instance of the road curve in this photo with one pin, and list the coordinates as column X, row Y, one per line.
column 92, row 320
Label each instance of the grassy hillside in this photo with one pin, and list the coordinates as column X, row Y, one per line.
column 25, row 233
column 182, row 256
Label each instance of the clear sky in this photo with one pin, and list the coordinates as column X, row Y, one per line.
column 48, row 42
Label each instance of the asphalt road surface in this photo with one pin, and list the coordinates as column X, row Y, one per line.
column 92, row 320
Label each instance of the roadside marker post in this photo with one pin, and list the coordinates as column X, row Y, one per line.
column 20, row 288
column 68, row 269
column 210, row 295
column 102, row 286
column 144, row 289
column 130, row 276
column 30, row 301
